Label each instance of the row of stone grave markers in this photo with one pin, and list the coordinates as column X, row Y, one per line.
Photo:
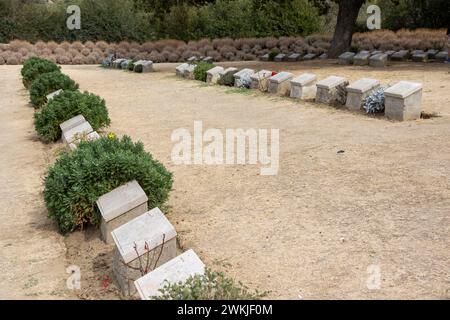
column 140, row 66
column 145, row 254
column 374, row 58
column 402, row 100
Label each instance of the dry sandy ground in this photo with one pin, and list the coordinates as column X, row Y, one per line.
column 311, row 231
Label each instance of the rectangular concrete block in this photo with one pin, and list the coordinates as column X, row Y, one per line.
column 294, row 57
column 432, row 53
column 242, row 74
column 304, row 86
column 228, row 71
column 361, row 59
column 192, row 59
column 213, row 75
column 378, row 60
column 180, row 69
column 309, row 56
column 72, row 122
column 117, row 63
column 120, row 206
column 323, row 56
column 442, row 56
column 280, row 57
column 53, row 94
column 281, row 83
column 208, row 59
column 260, row 80
column 76, row 132
column 176, row 270
column 265, row 57
column 403, row 101
column 146, row 65
column 420, row 57
column 401, row 55
column 89, row 137
column 142, row 244
column 346, row 58
column 358, row 91
column 327, row 89
column 189, row 71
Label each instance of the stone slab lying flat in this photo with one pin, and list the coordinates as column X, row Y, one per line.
column 72, row 122
column 120, row 206
column 378, row 60
column 280, row 57
column 304, row 86
column 420, row 57
column 362, row 58
column 53, row 94
column 442, row 56
column 192, row 59
column 265, row 57
column 346, row 58
column 323, row 56
column 208, row 59
column 176, row 270
column 309, row 56
column 294, row 57
column 213, row 75
column 327, row 89
column 358, row 91
column 400, row 55
column 142, row 244
column 260, row 80
column 181, row 68
column 281, row 83
column 432, row 53
column 76, row 132
column 89, row 137
column 403, row 101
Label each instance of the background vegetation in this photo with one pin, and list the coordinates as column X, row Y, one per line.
column 145, row 20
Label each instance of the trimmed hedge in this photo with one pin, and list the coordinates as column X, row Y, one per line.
column 29, row 63
column 36, row 69
column 66, row 105
column 48, row 83
column 77, row 179
column 201, row 69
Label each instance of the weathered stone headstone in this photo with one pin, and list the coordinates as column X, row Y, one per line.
column 390, row 53
column 119, row 206
column 213, row 75
column 379, row 60
column 89, row 137
column 53, row 94
column 226, row 77
column 358, row 91
column 181, row 68
column 281, row 83
column 420, row 57
column 208, row 59
column 192, row 59
column 124, row 64
column 309, row 56
column 280, row 57
column 189, row 71
column 265, row 57
column 416, row 52
column 361, row 59
column 72, row 122
column 323, row 56
column 176, row 270
column 117, row 63
column 374, row 52
column 304, row 86
column 260, row 80
column 442, row 56
column 346, row 58
column 241, row 76
column 327, row 89
column 432, row 53
column 401, row 55
column 76, row 132
column 142, row 244
column 143, row 66
column 294, row 57
column 403, row 101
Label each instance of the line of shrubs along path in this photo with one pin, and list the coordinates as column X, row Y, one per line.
column 108, row 182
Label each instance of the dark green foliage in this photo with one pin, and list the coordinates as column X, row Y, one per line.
column 48, row 83
column 138, row 68
column 273, row 54
column 65, row 106
column 227, row 79
column 201, row 69
column 30, row 63
column 210, row 286
column 130, row 65
column 77, row 179
column 31, row 72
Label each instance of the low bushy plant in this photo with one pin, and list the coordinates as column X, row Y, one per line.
column 273, row 54
column 210, row 286
column 131, row 65
column 77, row 179
column 65, row 106
column 201, row 69
column 48, row 83
column 29, row 63
column 36, row 69
column 227, row 79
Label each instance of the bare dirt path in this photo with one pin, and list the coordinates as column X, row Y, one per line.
column 314, row 229
column 32, row 253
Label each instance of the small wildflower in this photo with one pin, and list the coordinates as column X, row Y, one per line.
column 111, row 135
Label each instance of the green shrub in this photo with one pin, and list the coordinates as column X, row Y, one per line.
column 29, row 63
column 36, row 69
column 77, row 179
column 210, row 286
column 273, row 54
column 130, row 65
column 201, row 69
column 48, row 83
column 66, row 105
column 227, row 79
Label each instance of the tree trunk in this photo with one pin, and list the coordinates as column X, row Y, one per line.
column 342, row 39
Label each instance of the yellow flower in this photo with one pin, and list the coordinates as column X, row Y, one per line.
column 111, row 135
